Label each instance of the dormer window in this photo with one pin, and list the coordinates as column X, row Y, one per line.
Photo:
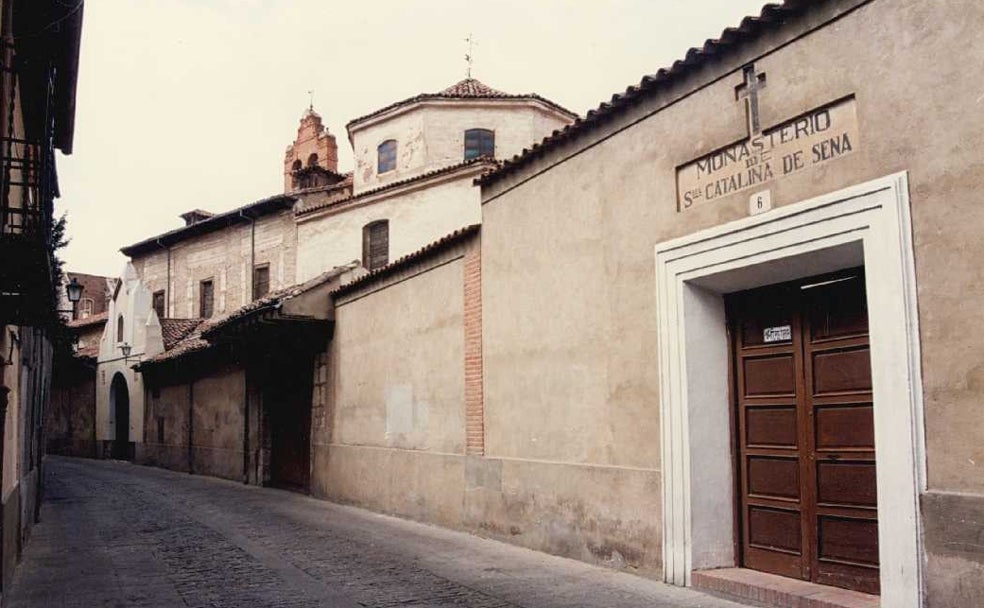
column 479, row 142
column 386, row 156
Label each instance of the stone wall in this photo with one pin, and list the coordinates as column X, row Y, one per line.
column 224, row 257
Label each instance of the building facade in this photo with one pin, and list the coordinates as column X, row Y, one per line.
column 37, row 100
column 713, row 332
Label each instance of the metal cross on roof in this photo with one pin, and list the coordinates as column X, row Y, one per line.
column 748, row 91
column 311, row 102
column 469, row 55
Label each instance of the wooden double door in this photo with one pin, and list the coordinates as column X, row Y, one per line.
column 805, row 431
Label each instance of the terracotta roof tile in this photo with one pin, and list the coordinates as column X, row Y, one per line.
column 86, row 322
column 195, row 330
column 439, row 245
column 468, row 88
column 174, row 330
column 749, row 29
column 87, row 352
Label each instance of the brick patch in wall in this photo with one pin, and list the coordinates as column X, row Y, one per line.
column 474, row 398
column 779, row 591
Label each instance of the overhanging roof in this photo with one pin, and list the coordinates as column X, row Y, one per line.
column 245, row 213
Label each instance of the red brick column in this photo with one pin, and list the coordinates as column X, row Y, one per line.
column 474, row 397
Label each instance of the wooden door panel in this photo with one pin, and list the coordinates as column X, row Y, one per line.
column 770, row 376
column 771, row 477
column 849, row 541
column 845, row 427
column 840, row 371
column 846, row 484
column 772, row 426
column 774, row 529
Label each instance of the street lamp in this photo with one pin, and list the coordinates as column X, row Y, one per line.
column 74, row 291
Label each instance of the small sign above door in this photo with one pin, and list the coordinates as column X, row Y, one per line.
column 782, row 333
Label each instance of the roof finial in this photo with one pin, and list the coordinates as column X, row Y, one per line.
column 469, row 56
column 311, row 97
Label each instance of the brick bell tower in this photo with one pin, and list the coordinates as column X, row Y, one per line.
column 312, row 160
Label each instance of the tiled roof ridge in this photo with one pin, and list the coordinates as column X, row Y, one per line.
column 748, row 29
column 469, row 88
column 488, row 160
column 429, row 249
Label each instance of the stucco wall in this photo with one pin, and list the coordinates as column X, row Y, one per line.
column 209, row 411
column 172, row 404
column 70, row 421
column 416, row 217
column 395, row 440
column 430, row 135
column 224, row 257
column 578, row 241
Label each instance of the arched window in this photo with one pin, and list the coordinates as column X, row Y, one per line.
column 375, row 244
column 119, row 329
column 479, row 142
column 386, row 159
column 313, row 160
column 296, row 166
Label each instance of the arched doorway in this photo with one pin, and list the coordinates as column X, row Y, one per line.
column 119, row 401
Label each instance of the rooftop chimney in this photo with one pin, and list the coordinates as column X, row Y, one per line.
column 196, row 215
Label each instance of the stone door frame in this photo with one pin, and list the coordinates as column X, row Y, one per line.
column 867, row 224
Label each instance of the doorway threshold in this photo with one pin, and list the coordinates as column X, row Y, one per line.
column 779, row 591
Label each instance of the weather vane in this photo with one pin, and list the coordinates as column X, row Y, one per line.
column 469, row 56
column 311, row 98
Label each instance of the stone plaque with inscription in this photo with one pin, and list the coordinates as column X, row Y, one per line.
column 796, row 145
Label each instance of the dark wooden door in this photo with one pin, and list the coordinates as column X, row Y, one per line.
column 804, row 420
column 288, row 403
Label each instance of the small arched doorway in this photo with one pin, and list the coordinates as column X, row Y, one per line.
column 119, row 401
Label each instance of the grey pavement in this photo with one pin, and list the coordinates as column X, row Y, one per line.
column 115, row 534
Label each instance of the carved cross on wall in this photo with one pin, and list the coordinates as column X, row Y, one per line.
column 748, row 91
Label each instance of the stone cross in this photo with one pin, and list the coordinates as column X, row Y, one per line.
column 748, row 91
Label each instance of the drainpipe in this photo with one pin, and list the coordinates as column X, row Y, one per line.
column 191, row 425
column 252, row 250
column 167, row 292
column 252, row 270
column 246, row 426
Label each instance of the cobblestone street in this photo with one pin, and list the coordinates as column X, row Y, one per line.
column 114, row 534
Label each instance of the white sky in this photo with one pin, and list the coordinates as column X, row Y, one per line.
column 187, row 104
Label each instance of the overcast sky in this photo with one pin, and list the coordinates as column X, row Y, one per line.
column 187, row 104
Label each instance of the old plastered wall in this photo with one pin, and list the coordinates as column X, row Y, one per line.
column 417, row 216
column 577, row 242
column 202, row 425
column 171, row 405
column 431, row 135
column 388, row 430
column 224, row 257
